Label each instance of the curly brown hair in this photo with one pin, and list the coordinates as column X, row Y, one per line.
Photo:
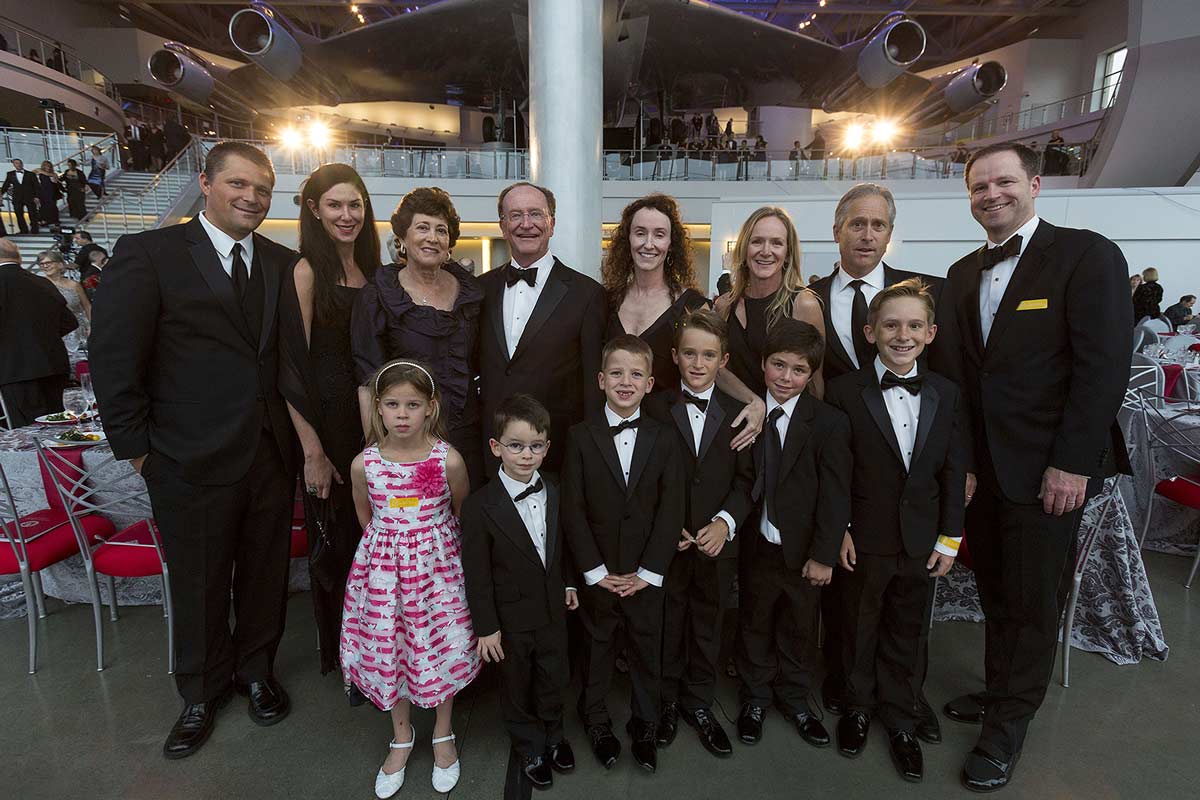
column 617, row 272
column 428, row 200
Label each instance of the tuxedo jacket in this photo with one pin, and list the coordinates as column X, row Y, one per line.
column 177, row 370
column 1046, row 389
column 33, row 319
column 26, row 191
column 837, row 361
column 607, row 522
column 557, row 359
column 894, row 509
column 718, row 478
column 812, row 494
column 508, row 588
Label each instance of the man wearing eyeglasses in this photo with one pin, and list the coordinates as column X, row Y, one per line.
column 32, row 375
column 543, row 323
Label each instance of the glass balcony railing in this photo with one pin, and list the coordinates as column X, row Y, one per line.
column 20, row 40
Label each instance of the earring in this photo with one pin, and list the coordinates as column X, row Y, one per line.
column 401, row 249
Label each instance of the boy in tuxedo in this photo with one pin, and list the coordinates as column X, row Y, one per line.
column 717, row 486
column 906, row 517
column 622, row 513
column 512, row 561
column 802, row 466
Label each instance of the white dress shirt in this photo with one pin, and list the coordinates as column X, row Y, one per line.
column 696, row 419
column 841, row 304
column 994, row 282
column 769, row 531
column 20, row 175
column 520, row 298
column 223, row 243
column 531, row 509
column 625, row 441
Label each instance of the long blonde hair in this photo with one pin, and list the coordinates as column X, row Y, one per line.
column 415, row 374
column 793, row 281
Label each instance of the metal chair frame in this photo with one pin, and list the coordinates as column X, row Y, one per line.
column 5, row 417
column 1083, row 551
column 79, row 491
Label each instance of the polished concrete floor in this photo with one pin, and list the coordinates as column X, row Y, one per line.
column 1118, row 732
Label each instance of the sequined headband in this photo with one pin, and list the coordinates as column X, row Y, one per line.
column 386, row 367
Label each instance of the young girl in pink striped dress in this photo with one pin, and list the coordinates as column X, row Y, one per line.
column 406, row 629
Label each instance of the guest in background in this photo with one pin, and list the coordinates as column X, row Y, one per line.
column 51, row 264
column 22, row 186
column 1181, row 312
column 83, row 240
column 1147, row 298
column 90, row 277
column 339, row 254
column 816, row 148
column 33, row 312
column 35, row 56
column 649, row 279
column 97, row 168
column 75, row 183
column 49, row 191
column 426, row 309
column 175, row 137
column 1135, row 280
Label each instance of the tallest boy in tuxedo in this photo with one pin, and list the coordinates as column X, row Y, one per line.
column 184, row 358
column 863, row 223
column 1043, row 384
column 542, row 327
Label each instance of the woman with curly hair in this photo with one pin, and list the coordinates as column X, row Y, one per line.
column 649, row 279
column 426, row 309
column 767, row 286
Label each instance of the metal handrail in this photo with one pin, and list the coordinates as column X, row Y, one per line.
column 171, row 176
column 105, row 143
column 69, row 55
column 982, row 127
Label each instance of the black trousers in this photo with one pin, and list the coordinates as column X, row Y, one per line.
column 534, row 675
column 697, row 589
column 777, row 626
column 886, row 606
column 218, row 540
column 20, row 209
column 832, row 615
column 27, row 400
column 604, row 615
column 1024, row 559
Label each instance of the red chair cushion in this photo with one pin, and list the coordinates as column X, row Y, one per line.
column 1195, row 348
column 1171, row 373
column 299, row 540
column 1182, row 491
column 82, row 368
column 128, row 554
column 57, row 544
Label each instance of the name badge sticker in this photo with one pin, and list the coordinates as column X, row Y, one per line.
column 1040, row 304
column 404, row 502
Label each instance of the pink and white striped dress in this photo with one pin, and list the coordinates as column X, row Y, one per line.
column 406, row 628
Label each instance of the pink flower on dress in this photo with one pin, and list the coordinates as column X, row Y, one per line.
column 429, row 479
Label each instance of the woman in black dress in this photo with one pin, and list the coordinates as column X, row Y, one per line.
column 75, row 183
column 650, row 281
column 339, row 254
column 427, row 309
column 49, row 191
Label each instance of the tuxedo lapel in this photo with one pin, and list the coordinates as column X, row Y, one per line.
column 930, row 399
column 205, row 257
column 552, row 294
column 798, row 432
column 714, row 418
column 1028, row 270
column 271, row 272
column 552, row 500
column 493, row 304
column 642, row 445
column 974, row 326
column 833, row 343
column 872, row 397
column 503, row 512
column 679, row 413
column 604, row 441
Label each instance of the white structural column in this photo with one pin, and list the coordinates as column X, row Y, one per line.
column 565, row 99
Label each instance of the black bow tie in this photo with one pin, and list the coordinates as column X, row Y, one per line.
column 516, row 274
column 530, row 491
column 994, row 255
column 613, row 430
column 699, row 402
column 891, row 380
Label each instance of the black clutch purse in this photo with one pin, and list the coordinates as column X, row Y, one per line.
column 321, row 519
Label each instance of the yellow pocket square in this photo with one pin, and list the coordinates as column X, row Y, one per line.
column 1033, row 305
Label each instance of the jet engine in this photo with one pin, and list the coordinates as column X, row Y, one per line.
column 956, row 94
column 259, row 35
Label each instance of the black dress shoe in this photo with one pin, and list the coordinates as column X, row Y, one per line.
column 750, row 723
column 193, row 727
column 906, row 755
column 810, row 729
column 969, row 709
column 928, row 729
column 562, row 757
column 852, row 733
column 668, row 724
column 711, row 734
column 984, row 773
column 644, row 750
column 605, row 745
column 537, row 769
column 269, row 703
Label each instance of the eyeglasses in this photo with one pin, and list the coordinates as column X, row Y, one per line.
column 516, row 448
column 537, row 217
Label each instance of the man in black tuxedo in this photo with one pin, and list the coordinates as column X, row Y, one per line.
column 23, row 187
column 33, row 361
column 542, row 326
column 184, row 359
column 83, row 240
column 1043, row 384
column 862, row 227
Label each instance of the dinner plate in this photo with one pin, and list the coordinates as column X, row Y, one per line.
column 58, row 441
column 47, row 419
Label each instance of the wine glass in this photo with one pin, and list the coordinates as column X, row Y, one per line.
column 75, row 403
column 89, row 392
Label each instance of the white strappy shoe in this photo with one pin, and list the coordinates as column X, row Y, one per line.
column 386, row 784
column 446, row 778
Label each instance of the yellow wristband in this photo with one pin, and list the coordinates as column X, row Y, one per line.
column 949, row 543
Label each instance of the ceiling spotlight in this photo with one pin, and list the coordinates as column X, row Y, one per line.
column 361, row 18
column 821, row 4
column 291, row 138
column 884, row 131
column 853, row 138
column 318, row 134
column 353, row 8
